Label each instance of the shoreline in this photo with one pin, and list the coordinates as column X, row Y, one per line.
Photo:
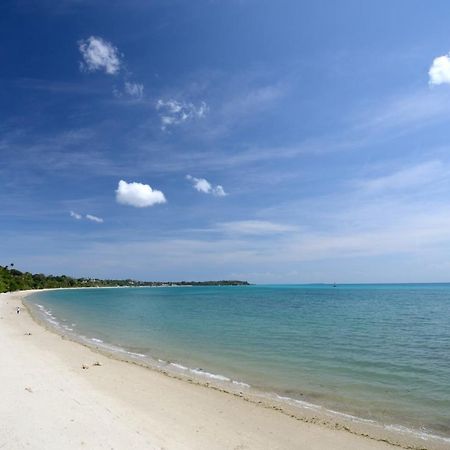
column 319, row 429
column 301, row 410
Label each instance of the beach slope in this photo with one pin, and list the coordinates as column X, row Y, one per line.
column 48, row 400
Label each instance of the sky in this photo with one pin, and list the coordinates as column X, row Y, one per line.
column 269, row 141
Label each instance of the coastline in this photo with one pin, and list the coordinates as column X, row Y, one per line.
column 149, row 408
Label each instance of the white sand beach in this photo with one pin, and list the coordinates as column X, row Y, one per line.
column 48, row 401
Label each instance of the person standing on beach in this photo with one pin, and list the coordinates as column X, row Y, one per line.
column 18, row 310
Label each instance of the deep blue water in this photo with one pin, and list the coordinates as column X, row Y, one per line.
column 380, row 352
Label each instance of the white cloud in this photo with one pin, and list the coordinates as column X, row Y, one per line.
column 135, row 90
column 203, row 185
column 173, row 112
column 90, row 217
column 219, row 191
column 255, row 227
column 138, row 195
column 439, row 72
column 99, row 54
column 200, row 184
column 75, row 215
column 94, row 218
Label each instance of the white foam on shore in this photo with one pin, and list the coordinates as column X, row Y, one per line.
column 208, row 375
column 112, row 348
column 351, row 417
column 419, row 434
column 296, row 402
column 394, row 428
column 137, row 355
column 99, row 343
column 48, row 316
column 179, row 366
column 241, row 383
column 213, row 376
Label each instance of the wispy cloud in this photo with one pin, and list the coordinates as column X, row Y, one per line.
column 414, row 232
column 135, row 90
column 253, row 99
column 28, row 150
column 203, row 185
column 412, row 239
column 255, row 227
column 409, row 177
column 367, row 125
column 90, row 217
column 402, row 113
column 439, row 72
column 389, row 118
column 130, row 90
column 241, row 102
column 94, row 218
column 99, row 54
column 138, row 195
column 75, row 215
column 174, row 112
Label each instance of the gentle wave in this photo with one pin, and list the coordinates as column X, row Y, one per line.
column 241, row 383
column 112, row 348
column 296, row 402
column 203, row 373
column 390, row 427
column 51, row 319
column 419, row 434
column 179, row 366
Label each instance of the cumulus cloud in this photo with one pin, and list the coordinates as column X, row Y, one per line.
column 173, row 112
column 94, row 218
column 138, row 195
column 75, row 215
column 439, row 72
column 203, row 185
column 99, row 54
column 135, row 90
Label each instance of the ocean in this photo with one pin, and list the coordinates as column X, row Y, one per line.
column 380, row 353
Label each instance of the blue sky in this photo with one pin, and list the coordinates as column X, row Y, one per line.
column 287, row 141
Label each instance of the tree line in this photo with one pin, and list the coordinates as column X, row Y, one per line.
column 12, row 279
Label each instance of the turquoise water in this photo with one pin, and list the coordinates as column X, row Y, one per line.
column 380, row 352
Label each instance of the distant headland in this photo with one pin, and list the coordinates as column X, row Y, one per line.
column 12, row 279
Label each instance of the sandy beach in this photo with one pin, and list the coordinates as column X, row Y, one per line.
column 49, row 401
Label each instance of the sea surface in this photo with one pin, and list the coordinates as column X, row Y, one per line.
column 377, row 352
